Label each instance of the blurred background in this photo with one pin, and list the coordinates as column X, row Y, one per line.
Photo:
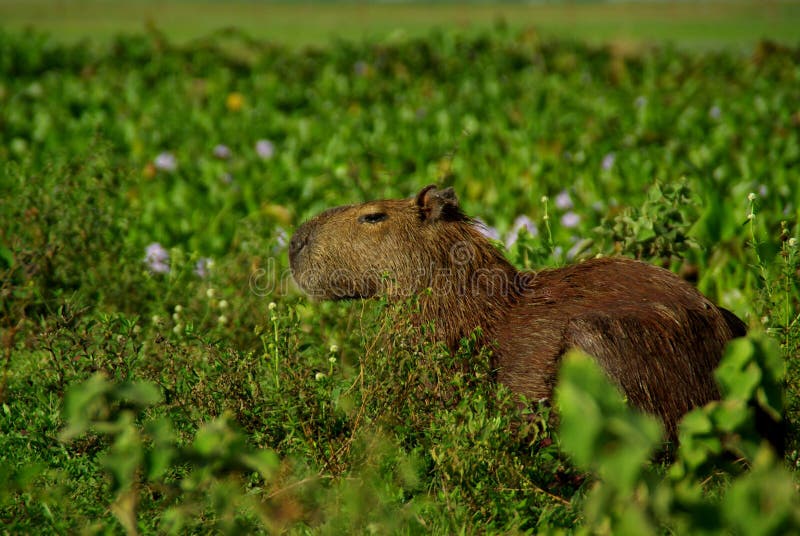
column 694, row 24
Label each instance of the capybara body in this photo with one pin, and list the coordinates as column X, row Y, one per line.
column 656, row 336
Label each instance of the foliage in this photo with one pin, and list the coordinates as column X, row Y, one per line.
column 161, row 374
column 659, row 229
column 634, row 496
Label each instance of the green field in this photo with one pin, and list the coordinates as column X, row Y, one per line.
column 690, row 24
column 160, row 373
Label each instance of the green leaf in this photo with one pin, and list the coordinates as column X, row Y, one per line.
column 598, row 430
column 763, row 501
column 753, row 369
column 216, row 438
column 266, row 462
column 81, row 403
column 698, row 442
column 141, row 394
column 125, row 456
column 738, row 374
column 159, row 457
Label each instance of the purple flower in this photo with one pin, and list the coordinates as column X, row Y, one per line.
column 762, row 190
column 564, row 201
column 714, row 112
column 522, row 222
column 640, row 102
column 159, row 267
column 226, row 178
column 608, row 161
column 222, row 152
column 570, row 220
column 157, row 258
column 489, row 232
column 201, row 267
column 265, row 149
column 166, row 161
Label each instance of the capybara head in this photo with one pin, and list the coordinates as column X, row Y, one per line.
column 397, row 247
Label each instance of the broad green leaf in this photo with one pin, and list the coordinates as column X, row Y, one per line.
column 139, row 393
column 598, row 430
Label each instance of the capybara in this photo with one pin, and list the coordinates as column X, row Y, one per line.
column 656, row 336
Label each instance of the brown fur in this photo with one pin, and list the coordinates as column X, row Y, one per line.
column 654, row 334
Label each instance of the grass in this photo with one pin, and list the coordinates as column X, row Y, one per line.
column 157, row 379
column 688, row 24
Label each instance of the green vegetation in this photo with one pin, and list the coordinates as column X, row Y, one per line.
column 628, row 24
column 161, row 374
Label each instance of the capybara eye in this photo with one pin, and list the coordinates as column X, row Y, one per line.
column 374, row 217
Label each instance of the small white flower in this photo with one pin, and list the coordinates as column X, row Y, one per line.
column 177, row 329
column 751, row 196
column 608, row 161
column 570, row 220
column 564, row 201
column 272, row 305
column 157, row 258
column 222, row 320
column 178, row 308
column 334, row 348
column 792, row 242
column 331, row 360
column 156, row 252
column 156, row 319
column 223, row 304
column 201, row 267
column 281, row 237
column 545, row 199
column 222, row 152
column 318, row 376
column 210, row 293
column 166, row 161
column 265, row 149
column 159, row 267
column 176, row 317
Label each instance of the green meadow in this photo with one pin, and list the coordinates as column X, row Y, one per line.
column 161, row 373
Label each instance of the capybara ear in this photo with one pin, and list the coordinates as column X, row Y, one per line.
column 437, row 204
